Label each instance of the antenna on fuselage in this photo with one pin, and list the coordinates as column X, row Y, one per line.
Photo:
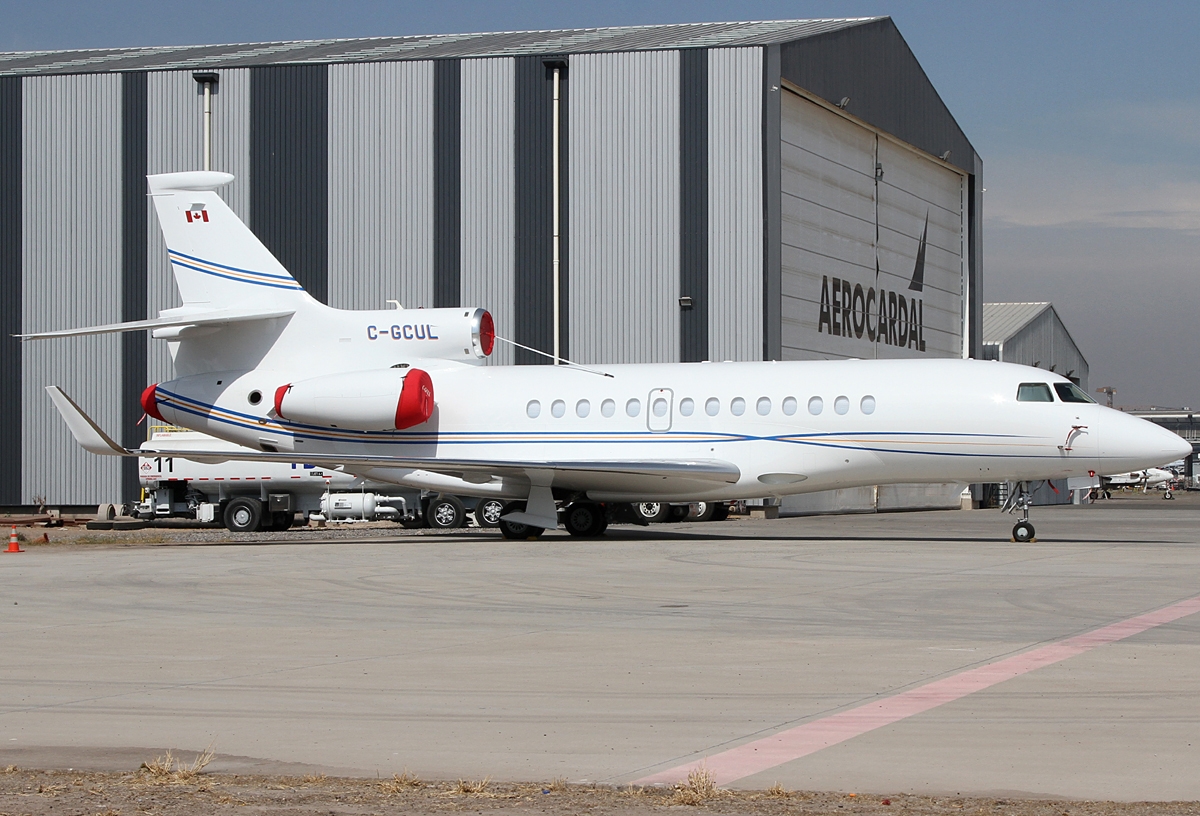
column 552, row 357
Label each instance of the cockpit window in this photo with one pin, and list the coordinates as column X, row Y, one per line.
column 1070, row 392
column 1034, row 392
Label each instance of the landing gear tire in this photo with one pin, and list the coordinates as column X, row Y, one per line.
column 488, row 512
column 704, row 512
column 584, row 519
column 446, row 513
column 679, row 512
column 1022, row 532
column 720, row 511
column 515, row 529
column 653, row 512
column 243, row 515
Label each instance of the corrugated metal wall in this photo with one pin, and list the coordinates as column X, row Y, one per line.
column 176, row 143
column 488, row 252
column 381, row 184
column 11, row 228
column 71, row 273
column 1045, row 342
column 735, row 211
column 624, row 200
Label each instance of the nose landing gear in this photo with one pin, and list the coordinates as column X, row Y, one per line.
column 1019, row 499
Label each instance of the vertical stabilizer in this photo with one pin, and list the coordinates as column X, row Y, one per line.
column 216, row 259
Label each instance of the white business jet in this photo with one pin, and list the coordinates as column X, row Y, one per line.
column 401, row 396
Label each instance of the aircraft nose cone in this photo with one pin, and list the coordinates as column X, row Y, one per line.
column 1130, row 443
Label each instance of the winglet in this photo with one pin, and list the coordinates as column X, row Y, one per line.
column 86, row 432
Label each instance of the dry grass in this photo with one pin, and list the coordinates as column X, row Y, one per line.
column 700, row 786
column 167, row 770
column 557, row 784
column 399, row 783
column 778, row 791
column 471, row 788
column 11, row 769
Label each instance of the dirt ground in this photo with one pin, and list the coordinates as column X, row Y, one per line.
column 42, row 793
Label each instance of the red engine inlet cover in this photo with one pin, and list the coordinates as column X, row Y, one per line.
column 487, row 334
column 150, row 402
column 280, row 393
column 416, row 400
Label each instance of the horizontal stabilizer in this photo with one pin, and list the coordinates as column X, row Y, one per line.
column 207, row 318
column 87, row 433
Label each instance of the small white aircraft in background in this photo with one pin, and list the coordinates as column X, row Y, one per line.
column 401, row 396
column 1148, row 479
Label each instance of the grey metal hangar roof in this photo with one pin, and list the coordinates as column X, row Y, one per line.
column 423, row 46
column 1002, row 321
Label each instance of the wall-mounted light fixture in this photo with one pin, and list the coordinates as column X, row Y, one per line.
column 845, row 101
column 686, row 302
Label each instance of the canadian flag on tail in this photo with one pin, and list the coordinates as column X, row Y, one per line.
column 194, row 215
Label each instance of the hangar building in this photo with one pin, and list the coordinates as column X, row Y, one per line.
column 1032, row 334
column 726, row 191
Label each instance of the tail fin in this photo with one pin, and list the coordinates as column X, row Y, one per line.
column 215, row 257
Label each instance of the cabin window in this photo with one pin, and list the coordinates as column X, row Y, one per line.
column 558, row 408
column 816, row 405
column 712, row 407
column 841, row 405
column 583, row 408
column 608, row 407
column 1070, row 392
column 633, row 408
column 1034, row 392
column 789, row 405
column 533, row 410
column 686, row 406
column 737, row 406
column 763, row 406
column 659, row 407
column 867, row 405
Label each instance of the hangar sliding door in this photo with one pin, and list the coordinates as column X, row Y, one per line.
column 873, row 241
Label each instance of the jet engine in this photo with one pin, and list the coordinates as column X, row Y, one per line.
column 446, row 334
column 391, row 399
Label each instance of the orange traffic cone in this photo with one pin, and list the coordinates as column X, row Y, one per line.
column 13, row 546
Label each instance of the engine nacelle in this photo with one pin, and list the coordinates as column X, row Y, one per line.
column 446, row 334
column 391, row 399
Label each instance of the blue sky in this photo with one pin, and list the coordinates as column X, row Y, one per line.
column 1087, row 116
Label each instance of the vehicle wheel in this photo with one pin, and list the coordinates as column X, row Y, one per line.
column 515, row 529
column 653, row 512
column 584, row 519
column 284, row 520
column 1167, row 494
column 1022, row 532
column 488, row 512
column 243, row 515
column 720, row 511
column 679, row 512
column 446, row 513
column 704, row 512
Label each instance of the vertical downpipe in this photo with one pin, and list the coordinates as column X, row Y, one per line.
column 207, row 126
column 555, row 206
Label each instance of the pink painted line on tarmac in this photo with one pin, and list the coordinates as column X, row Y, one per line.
column 802, row 740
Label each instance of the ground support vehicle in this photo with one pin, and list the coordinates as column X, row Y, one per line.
column 253, row 496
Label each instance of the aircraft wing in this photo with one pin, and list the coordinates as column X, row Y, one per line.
column 711, row 471
column 209, row 318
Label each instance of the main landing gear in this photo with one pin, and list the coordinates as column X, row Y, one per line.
column 1019, row 499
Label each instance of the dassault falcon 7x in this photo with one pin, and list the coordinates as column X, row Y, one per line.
column 403, row 396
